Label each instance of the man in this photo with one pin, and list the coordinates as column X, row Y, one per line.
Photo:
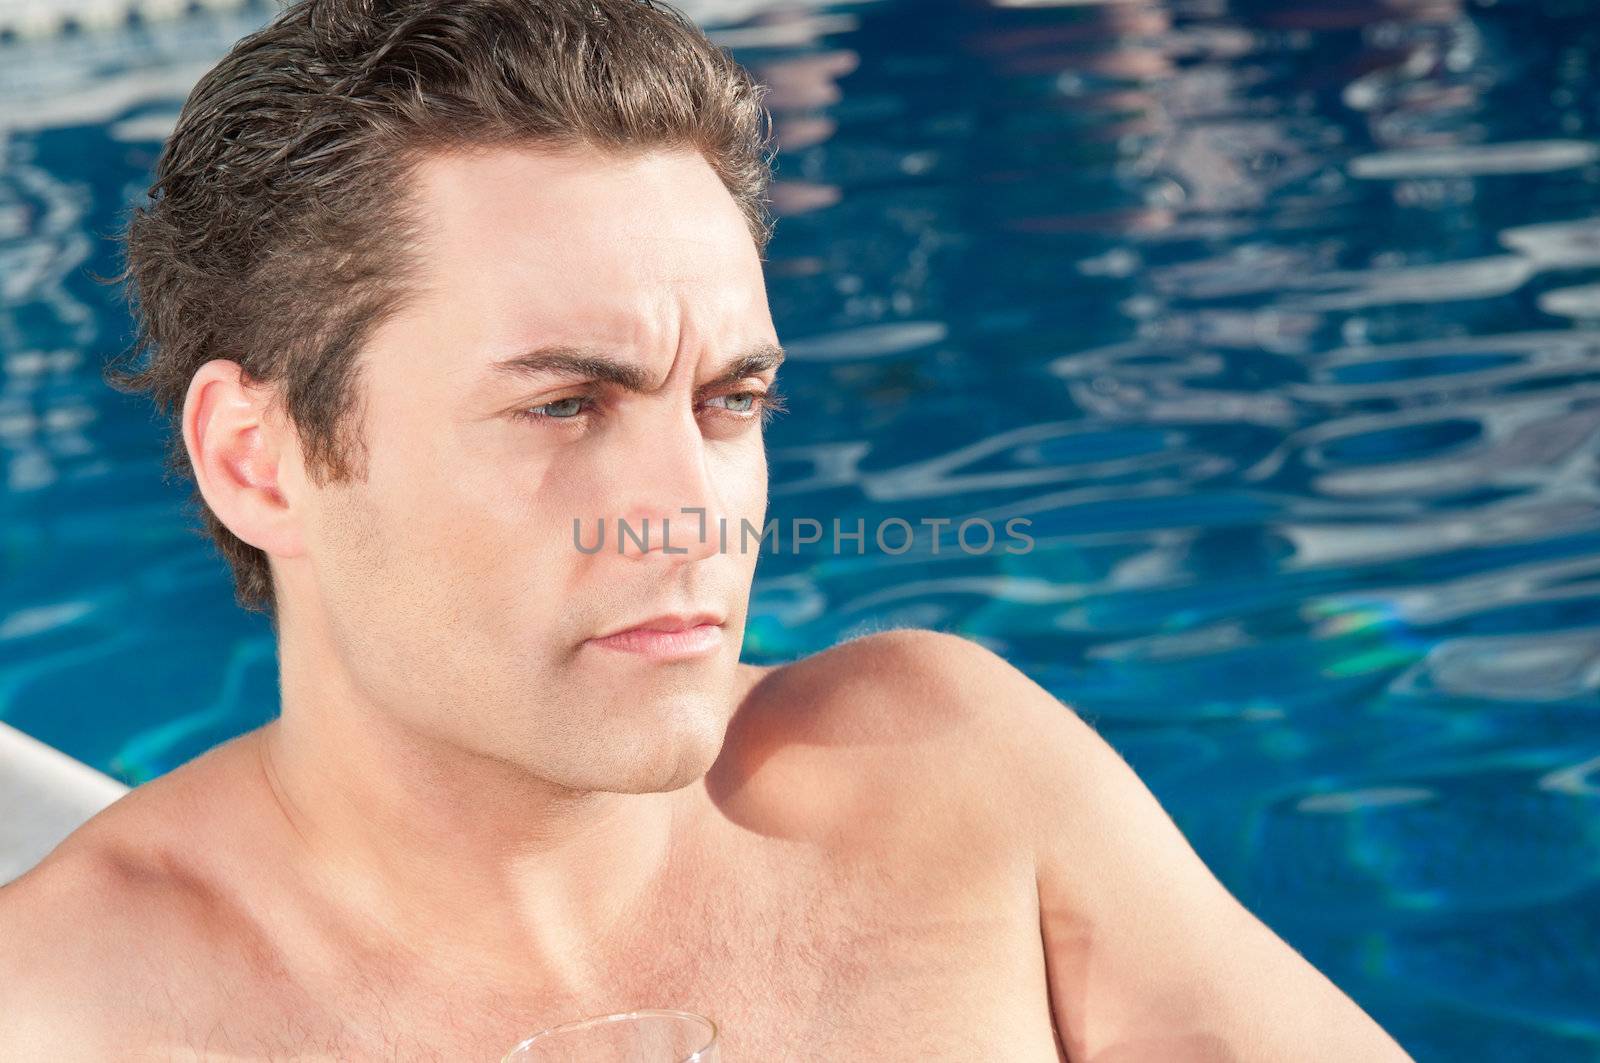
column 424, row 284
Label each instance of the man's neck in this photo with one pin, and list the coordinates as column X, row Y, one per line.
column 463, row 859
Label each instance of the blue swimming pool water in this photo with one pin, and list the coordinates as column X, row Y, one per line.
column 1277, row 320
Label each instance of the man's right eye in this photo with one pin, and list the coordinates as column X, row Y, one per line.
column 559, row 410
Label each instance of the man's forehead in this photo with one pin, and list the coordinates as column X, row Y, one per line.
column 522, row 249
column 583, row 233
column 571, row 198
column 636, row 321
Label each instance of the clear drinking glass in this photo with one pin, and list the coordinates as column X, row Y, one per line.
column 649, row 1035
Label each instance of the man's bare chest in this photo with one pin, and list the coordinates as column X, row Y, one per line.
column 864, row 962
column 909, row 984
column 871, row 965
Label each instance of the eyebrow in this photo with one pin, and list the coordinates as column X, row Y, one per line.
column 590, row 364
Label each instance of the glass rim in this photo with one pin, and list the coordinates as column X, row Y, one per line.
column 618, row 1016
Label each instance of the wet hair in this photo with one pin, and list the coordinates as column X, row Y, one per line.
column 278, row 231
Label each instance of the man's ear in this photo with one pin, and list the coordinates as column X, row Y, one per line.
column 240, row 446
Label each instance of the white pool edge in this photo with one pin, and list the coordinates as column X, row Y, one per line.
column 44, row 796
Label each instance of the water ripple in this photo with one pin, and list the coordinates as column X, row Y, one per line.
column 1276, row 322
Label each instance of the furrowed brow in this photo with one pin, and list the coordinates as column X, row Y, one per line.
column 586, row 364
column 578, row 362
column 762, row 359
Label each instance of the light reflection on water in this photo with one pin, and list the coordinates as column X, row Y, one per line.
column 1278, row 322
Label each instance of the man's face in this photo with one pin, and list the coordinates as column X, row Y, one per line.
column 452, row 589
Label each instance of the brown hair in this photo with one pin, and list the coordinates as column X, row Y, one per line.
column 276, row 232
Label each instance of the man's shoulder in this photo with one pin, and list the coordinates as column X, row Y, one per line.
column 905, row 724
column 906, row 688
column 935, row 674
column 73, row 948
column 131, row 843
column 110, row 920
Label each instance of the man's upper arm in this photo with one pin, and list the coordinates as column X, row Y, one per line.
column 1149, row 957
column 47, row 945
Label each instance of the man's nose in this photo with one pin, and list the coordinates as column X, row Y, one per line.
column 671, row 507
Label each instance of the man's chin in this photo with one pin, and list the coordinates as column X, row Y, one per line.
column 658, row 763
column 637, row 735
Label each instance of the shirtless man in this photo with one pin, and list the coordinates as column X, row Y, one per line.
column 422, row 287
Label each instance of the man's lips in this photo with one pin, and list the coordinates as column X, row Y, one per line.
column 673, row 636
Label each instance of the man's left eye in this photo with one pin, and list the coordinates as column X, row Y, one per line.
column 561, row 409
column 738, row 402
